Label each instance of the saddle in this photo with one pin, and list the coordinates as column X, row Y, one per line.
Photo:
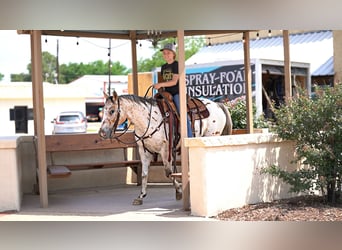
column 196, row 110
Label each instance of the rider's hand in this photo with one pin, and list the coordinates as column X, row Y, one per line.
column 157, row 86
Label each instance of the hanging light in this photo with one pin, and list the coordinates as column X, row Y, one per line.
column 154, row 36
column 77, row 43
column 46, row 39
column 269, row 32
column 209, row 43
column 243, row 39
column 257, row 36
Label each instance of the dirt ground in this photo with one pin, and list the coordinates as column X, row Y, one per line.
column 304, row 208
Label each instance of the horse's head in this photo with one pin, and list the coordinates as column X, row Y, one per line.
column 112, row 116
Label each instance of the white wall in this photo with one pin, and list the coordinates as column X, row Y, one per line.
column 225, row 171
column 57, row 98
column 10, row 174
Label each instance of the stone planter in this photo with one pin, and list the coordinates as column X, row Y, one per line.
column 239, row 131
column 225, row 171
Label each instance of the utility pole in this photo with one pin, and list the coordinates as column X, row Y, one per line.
column 109, row 66
column 57, row 64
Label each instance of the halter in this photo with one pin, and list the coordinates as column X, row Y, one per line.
column 140, row 138
column 117, row 117
column 143, row 136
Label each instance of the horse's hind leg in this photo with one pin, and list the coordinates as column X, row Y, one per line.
column 178, row 188
column 176, row 184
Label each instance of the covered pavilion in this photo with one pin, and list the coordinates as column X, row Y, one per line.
column 134, row 36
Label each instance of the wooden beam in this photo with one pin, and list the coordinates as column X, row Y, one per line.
column 134, row 62
column 91, row 34
column 183, row 123
column 287, row 65
column 38, row 112
column 248, row 83
column 125, row 34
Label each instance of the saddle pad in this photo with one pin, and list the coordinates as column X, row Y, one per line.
column 197, row 108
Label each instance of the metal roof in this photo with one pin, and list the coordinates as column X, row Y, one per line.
column 313, row 47
column 326, row 69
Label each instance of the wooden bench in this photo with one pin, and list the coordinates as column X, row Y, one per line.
column 67, row 144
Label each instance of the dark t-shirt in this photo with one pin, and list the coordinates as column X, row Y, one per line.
column 167, row 71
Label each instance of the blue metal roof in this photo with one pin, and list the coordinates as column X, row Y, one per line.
column 326, row 69
column 313, row 47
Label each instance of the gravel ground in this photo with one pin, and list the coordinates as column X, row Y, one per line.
column 304, row 208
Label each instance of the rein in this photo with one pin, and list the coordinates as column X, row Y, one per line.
column 140, row 138
column 144, row 135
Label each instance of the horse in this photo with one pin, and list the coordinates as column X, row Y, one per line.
column 150, row 130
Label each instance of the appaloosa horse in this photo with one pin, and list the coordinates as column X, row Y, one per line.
column 151, row 130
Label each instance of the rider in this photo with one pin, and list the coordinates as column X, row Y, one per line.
column 169, row 73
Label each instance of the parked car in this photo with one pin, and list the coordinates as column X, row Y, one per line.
column 93, row 118
column 70, row 122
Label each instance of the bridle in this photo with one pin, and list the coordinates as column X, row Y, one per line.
column 142, row 137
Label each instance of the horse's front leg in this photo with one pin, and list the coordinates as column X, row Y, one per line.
column 145, row 161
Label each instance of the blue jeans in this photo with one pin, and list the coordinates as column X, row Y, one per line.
column 177, row 103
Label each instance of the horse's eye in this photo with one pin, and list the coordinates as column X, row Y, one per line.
column 111, row 112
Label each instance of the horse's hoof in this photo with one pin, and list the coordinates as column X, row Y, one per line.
column 168, row 172
column 137, row 201
column 179, row 196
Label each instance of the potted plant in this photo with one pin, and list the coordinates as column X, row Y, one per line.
column 238, row 112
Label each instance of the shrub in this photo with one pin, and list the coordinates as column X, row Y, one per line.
column 238, row 112
column 316, row 127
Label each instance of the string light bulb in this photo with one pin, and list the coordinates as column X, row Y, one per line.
column 46, row 39
column 77, row 43
column 209, row 44
column 257, row 36
column 269, row 32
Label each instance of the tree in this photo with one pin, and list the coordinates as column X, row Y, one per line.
column 316, row 127
column 22, row 77
column 49, row 67
column 73, row 71
column 191, row 44
column 49, row 70
column 1, row 76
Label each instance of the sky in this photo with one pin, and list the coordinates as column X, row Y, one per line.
column 15, row 51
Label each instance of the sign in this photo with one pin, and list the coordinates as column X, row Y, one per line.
column 218, row 83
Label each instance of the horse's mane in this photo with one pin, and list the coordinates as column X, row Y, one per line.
column 139, row 99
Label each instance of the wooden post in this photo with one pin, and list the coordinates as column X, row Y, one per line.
column 38, row 112
column 183, row 123
column 287, row 65
column 248, row 82
column 134, row 62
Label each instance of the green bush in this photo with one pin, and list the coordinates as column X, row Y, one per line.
column 238, row 112
column 316, row 127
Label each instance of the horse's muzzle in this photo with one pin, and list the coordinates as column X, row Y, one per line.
column 104, row 134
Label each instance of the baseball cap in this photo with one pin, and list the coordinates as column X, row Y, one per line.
column 169, row 46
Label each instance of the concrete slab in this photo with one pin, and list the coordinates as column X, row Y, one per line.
column 105, row 204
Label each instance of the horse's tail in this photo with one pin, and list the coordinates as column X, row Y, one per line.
column 227, row 130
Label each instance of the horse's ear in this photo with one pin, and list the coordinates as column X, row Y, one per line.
column 115, row 95
column 105, row 95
